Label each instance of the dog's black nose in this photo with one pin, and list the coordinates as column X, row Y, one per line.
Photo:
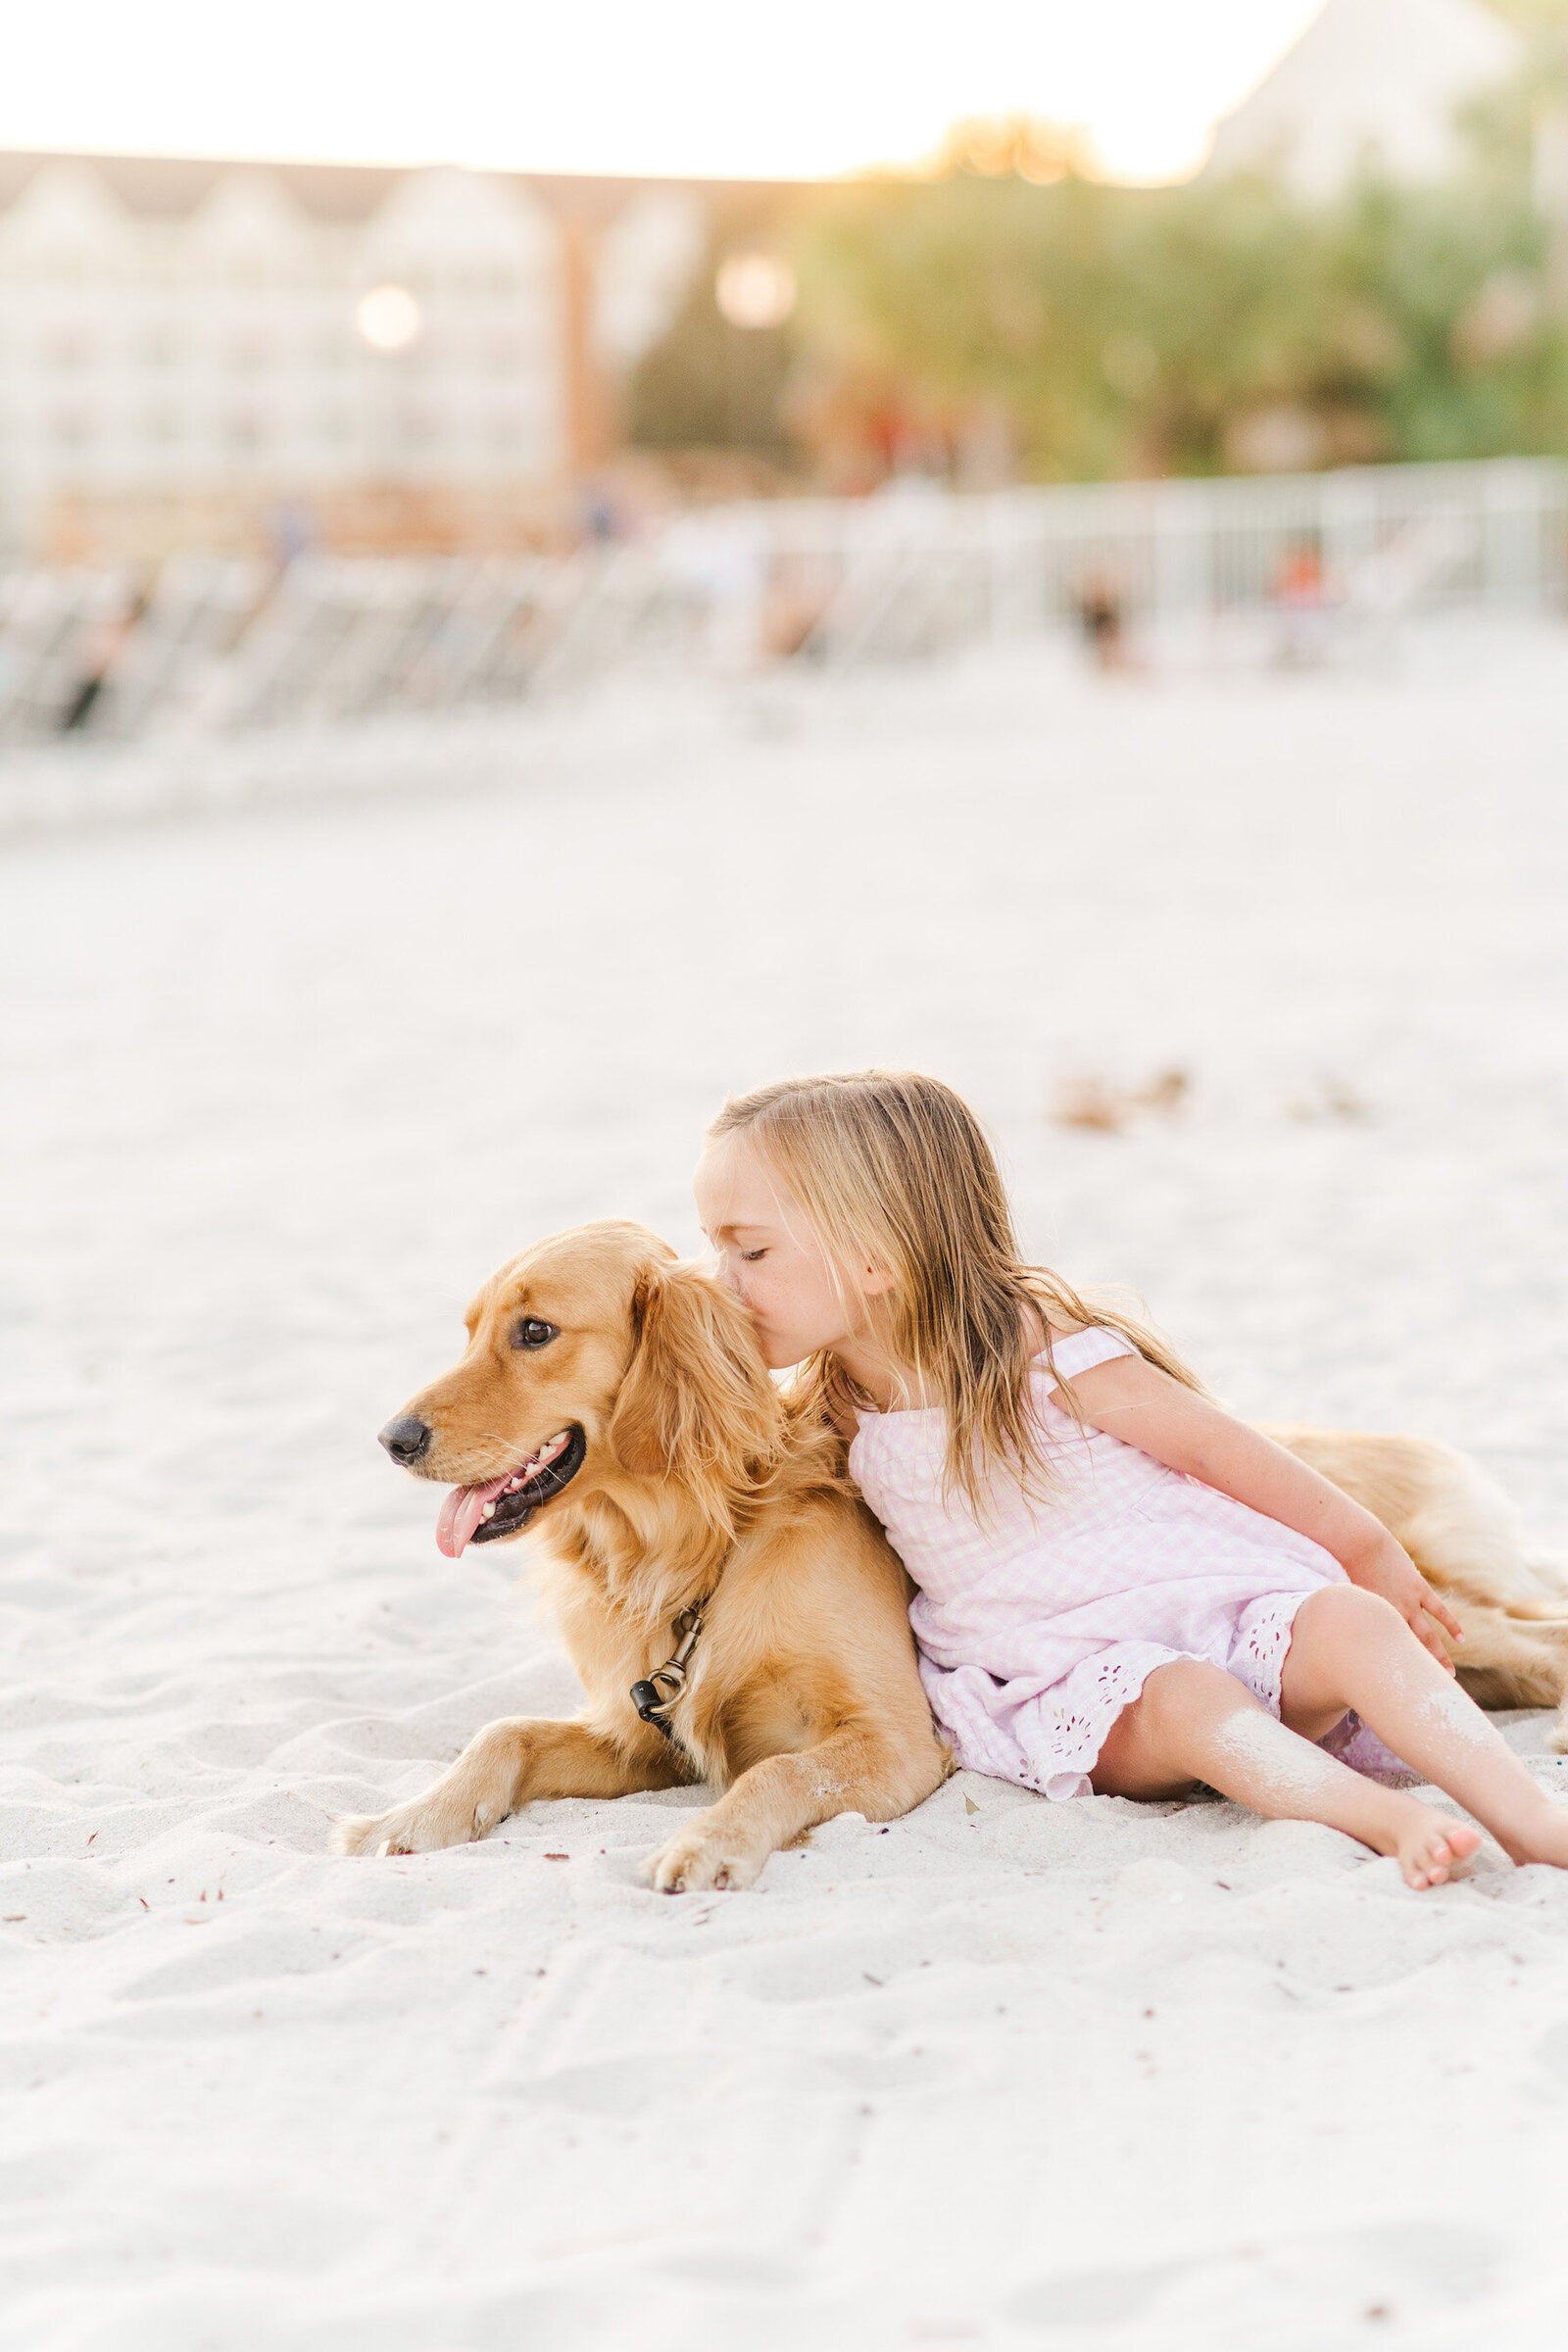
column 406, row 1439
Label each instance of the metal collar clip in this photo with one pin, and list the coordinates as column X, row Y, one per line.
column 654, row 1699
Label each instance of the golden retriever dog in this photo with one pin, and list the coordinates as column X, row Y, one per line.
column 733, row 1610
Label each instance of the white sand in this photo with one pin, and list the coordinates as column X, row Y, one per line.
column 287, row 1084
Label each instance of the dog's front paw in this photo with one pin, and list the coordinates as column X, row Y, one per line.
column 701, row 1857
column 439, row 1817
column 365, row 1833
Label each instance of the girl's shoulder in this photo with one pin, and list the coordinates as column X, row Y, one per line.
column 1042, row 1328
column 1046, row 1336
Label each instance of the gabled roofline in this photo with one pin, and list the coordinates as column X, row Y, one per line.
column 172, row 187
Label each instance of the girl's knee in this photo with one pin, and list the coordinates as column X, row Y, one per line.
column 1349, row 1610
column 1339, row 1632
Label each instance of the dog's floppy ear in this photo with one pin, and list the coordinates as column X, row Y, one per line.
column 697, row 1403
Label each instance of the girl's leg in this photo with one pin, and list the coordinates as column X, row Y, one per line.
column 1197, row 1722
column 1348, row 1648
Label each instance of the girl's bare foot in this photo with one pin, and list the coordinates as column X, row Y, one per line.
column 1430, row 1845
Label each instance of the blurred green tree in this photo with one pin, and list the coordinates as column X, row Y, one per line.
column 1192, row 328
column 1009, row 308
column 708, row 384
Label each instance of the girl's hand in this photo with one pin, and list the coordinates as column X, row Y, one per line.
column 1388, row 1568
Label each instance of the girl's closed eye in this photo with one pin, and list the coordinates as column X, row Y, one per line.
column 750, row 1256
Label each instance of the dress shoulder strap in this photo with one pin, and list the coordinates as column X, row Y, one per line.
column 1080, row 1350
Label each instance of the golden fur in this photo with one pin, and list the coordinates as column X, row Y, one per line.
column 1462, row 1535
column 702, row 1477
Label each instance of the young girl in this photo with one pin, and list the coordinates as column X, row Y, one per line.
column 1120, row 1587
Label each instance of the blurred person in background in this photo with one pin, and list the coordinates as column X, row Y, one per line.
column 1101, row 619
column 105, row 643
column 1299, row 597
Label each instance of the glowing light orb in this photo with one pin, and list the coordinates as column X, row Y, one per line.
column 755, row 289
column 388, row 317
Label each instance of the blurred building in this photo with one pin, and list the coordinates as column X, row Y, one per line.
column 214, row 353
column 1374, row 82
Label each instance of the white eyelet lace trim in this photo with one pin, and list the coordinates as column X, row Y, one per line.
column 1065, row 1740
column 1260, row 1662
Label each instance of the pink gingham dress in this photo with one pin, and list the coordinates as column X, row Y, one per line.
column 1035, row 1632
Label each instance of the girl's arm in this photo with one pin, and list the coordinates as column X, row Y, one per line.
column 1133, row 1399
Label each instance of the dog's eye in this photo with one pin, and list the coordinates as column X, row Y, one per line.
column 531, row 1332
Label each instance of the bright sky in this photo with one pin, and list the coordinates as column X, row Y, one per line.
column 794, row 88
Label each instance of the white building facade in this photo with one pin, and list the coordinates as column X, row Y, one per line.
column 173, row 329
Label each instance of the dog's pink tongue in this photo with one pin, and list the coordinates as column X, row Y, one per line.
column 461, row 1512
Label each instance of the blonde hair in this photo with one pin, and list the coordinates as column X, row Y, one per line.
column 891, row 1169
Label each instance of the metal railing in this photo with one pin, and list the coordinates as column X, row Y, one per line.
column 218, row 646
column 1387, row 539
